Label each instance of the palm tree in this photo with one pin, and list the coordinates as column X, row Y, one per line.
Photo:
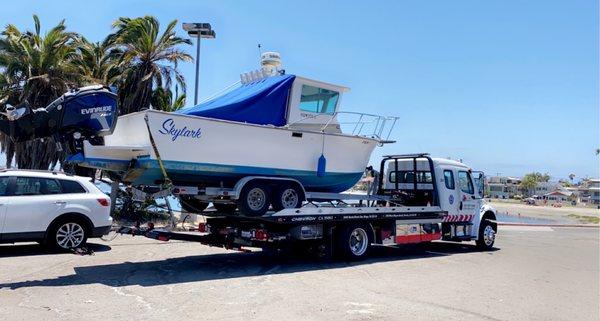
column 36, row 69
column 99, row 62
column 149, row 60
column 162, row 99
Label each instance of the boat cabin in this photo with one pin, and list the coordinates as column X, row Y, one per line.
column 313, row 105
column 280, row 100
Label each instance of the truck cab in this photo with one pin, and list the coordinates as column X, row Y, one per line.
column 420, row 180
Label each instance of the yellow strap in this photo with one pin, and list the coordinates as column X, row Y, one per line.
column 160, row 162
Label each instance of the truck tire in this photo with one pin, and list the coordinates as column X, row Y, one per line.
column 287, row 196
column 225, row 208
column 254, row 199
column 66, row 234
column 192, row 205
column 354, row 241
column 487, row 236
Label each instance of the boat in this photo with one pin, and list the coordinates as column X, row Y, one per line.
column 273, row 124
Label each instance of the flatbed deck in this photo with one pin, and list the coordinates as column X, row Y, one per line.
column 273, row 228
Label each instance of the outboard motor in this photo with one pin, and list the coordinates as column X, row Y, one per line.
column 86, row 113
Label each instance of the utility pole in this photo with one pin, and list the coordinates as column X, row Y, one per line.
column 198, row 30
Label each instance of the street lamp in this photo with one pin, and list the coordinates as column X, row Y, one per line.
column 198, row 30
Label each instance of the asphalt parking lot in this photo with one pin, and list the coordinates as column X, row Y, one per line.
column 536, row 273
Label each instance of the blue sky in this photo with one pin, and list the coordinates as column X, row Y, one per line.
column 508, row 86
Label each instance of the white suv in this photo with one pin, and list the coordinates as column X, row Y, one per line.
column 52, row 208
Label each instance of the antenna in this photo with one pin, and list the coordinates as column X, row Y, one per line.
column 259, row 51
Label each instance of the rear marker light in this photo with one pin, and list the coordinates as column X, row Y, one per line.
column 103, row 201
column 261, row 235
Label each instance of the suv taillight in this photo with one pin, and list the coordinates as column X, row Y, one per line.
column 104, row 201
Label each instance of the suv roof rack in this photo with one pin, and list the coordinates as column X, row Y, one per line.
column 3, row 170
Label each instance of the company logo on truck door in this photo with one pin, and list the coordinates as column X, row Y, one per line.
column 169, row 128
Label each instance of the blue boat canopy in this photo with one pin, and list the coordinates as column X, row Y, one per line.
column 262, row 102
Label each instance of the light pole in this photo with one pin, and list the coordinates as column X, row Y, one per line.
column 198, row 30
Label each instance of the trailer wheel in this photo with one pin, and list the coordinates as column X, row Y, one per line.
column 254, row 199
column 192, row 205
column 354, row 242
column 487, row 235
column 287, row 196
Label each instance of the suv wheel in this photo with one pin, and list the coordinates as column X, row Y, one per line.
column 66, row 235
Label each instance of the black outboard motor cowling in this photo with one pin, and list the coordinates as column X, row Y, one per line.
column 85, row 113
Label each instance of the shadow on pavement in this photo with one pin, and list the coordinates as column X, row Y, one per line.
column 229, row 265
column 15, row 250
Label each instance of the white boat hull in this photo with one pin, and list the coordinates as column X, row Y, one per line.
column 197, row 150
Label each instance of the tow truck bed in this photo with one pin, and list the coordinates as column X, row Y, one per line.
column 278, row 229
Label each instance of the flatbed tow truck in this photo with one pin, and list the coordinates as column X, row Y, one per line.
column 419, row 199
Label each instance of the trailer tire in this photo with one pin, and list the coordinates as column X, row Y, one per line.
column 254, row 199
column 487, row 235
column 192, row 205
column 287, row 196
column 354, row 241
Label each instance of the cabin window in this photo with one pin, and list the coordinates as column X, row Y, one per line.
column 449, row 179
column 318, row 100
column 465, row 183
column 409, row 177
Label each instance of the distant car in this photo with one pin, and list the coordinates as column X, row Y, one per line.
column 557, row 204
column 58, row 210
column 529, row 201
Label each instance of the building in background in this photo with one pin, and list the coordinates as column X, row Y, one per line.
column 589, row 191
column 544, row 188
column 559, row 196
column 502, row 187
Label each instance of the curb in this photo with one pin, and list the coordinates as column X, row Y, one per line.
column 549, row 225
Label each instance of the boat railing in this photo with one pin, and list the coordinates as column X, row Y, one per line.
column 363, row 124
column 372, row 125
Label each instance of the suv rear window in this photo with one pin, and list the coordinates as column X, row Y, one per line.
column 71, row 187
column 36, row 186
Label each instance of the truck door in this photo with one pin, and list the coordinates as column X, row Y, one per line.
column 449, row 194
column 469, row 200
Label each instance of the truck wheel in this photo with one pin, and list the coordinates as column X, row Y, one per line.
column 66, row 235
column 287, row 196
column 225, row 208
column 254, row 199
column 354, row 242
column 487, row 236
column 192, row 205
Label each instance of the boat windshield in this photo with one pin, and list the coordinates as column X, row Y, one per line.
column 318, row 100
